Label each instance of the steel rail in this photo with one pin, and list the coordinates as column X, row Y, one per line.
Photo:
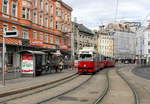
column 64, row 80
column 136, row 97
column 105, row 90
column 66, row 92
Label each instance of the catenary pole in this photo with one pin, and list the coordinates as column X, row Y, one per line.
column 3, row 61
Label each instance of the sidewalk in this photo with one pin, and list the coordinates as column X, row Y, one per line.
column 25, row 83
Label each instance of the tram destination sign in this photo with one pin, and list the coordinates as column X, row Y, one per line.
column 11, row 34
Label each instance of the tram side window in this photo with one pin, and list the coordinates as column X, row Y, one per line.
column 95, row 57
column 100, row 58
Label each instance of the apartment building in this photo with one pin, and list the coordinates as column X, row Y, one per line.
column 84, row 37
column 146, row 45
column 41, row 24
column 106, row 44
column 124, row 40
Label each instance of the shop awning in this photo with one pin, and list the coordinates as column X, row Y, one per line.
column 33, row 52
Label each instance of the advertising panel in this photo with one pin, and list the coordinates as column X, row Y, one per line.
column 27, row 64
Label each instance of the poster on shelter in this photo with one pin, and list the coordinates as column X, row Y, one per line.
column 27, row 64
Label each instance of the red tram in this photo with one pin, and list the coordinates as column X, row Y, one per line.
column 90, row 61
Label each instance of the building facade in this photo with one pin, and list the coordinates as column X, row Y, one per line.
column 106, row 44
column 124, row 40
column 140, row 43
column 146, row 45
column 83, row 37
column 41, row 24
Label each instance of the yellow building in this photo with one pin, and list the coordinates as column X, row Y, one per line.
column 106, row 45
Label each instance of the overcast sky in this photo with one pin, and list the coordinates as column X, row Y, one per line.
column 93, row 13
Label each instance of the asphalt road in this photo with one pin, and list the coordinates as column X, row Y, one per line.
column 142, row 72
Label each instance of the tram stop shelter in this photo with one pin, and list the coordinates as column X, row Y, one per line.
column 31, row 62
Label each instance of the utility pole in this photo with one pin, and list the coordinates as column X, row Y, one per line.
column 72, row 41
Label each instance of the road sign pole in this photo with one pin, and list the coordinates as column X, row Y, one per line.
column 6, row 34
column 3, row 81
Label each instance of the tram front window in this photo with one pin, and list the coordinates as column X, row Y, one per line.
column 86, row 57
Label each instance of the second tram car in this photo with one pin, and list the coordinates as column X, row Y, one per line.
column 109, row 62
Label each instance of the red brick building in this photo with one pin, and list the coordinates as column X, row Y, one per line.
column 41, row 24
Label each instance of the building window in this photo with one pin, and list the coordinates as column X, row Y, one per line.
column 35, row 2
column 51, row 9
column 63, row 28
column 24, row 13
column 63, row 16
column 5, row 27
column 6, row 6
column 25, row 34
column 46, row 20
column 14, row 28
column 41, row 4
column 34, row 35
column 35, row 16
column 28, row 13
column 57, row 40
column 51, row 39
column 47, row 7
column 148, row 42
column 46, row 38
column 148, row 50
column 57, row 25
column 57, row 11
column 41, row 36
column 14, row 9
column 51, row 22
column 41, row 19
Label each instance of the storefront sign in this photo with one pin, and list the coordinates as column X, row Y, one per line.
column 76, row 63
column 36, row 43
column 27, row 64
column 11, row 34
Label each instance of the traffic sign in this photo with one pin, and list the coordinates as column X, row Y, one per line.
column 11, row 34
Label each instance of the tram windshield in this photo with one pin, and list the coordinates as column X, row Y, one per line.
column 85, row 57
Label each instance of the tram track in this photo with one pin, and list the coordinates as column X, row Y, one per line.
column 66, row 92
column 104, row 93
column 17, row 99
column 37, row 89
column 72, row 96
column 108, row 87
column 136, row 97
